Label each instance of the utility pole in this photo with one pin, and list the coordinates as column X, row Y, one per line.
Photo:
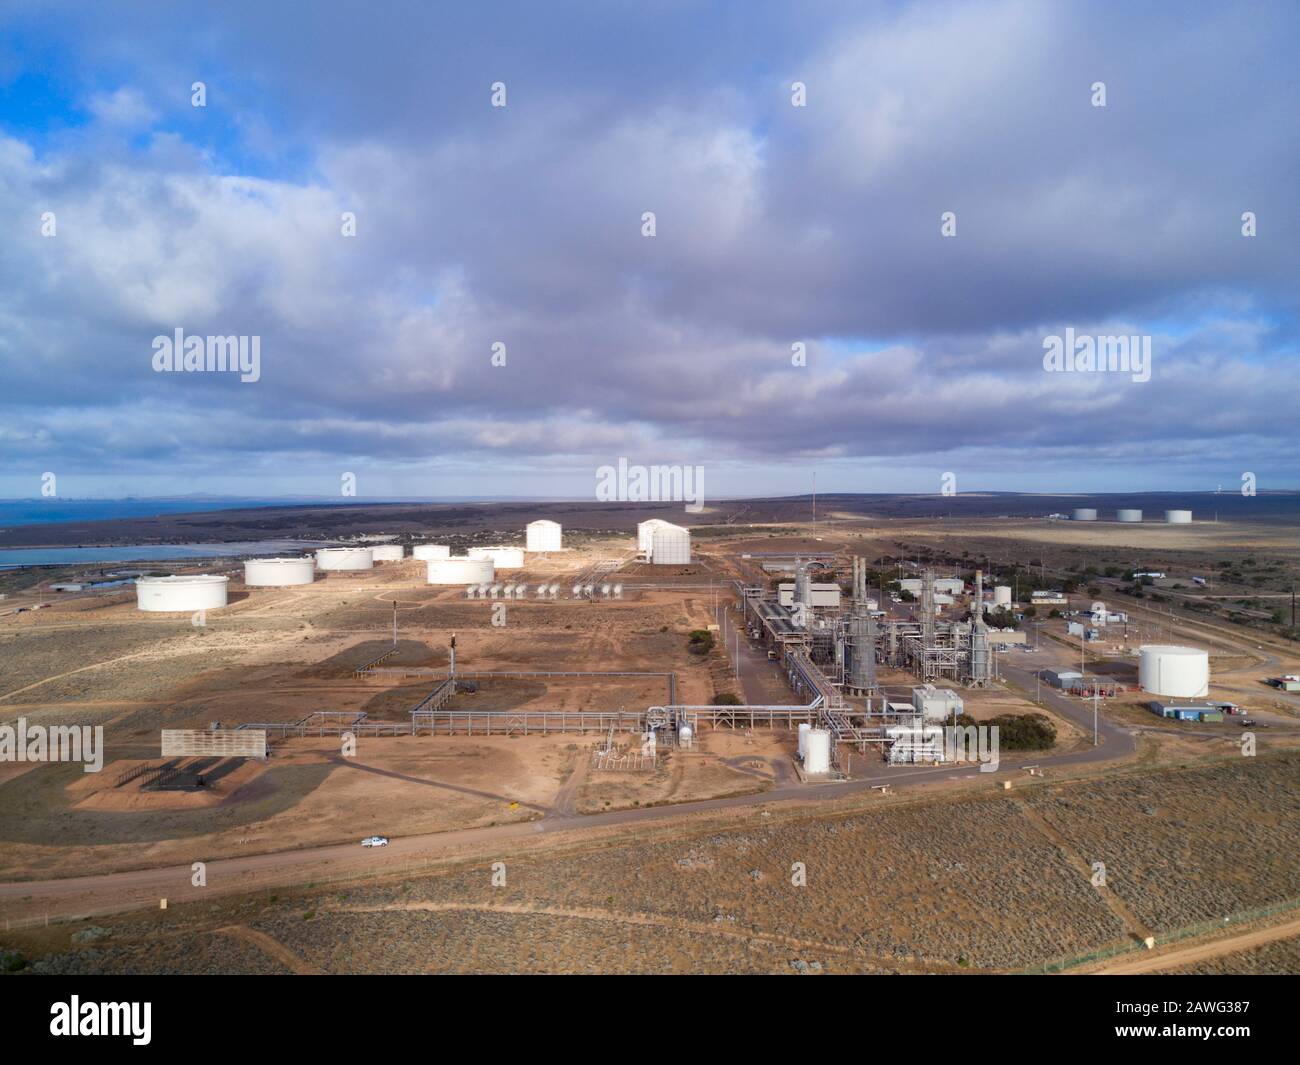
column 394, row 622
column 1094, row 715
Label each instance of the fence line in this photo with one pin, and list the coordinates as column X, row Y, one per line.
column 1200, row 928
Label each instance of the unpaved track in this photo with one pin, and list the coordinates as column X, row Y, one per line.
column 272, row 948
column 647, row 920
column 1154, row 963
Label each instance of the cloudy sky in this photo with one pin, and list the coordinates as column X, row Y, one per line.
column 522, row 225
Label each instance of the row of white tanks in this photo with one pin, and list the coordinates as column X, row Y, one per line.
column 205, row 591
column 1133, row 516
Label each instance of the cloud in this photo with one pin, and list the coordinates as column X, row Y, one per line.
column 775, row 224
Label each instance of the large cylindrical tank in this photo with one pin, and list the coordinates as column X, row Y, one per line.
column 344, row 558
column 460, row 570
column 279, row 572
column 1178, row 517
column 1182, row 672
column 430, row 551
column 188, row 592
column 1128, row 515
column 817, row 751
column 542, row 535
column 1002, row 597
column 670, row 545
column 388, row 552
column 803, row 737
column 1085, row 514
column 501, row 557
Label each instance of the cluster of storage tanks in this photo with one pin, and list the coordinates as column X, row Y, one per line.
column 1131, row 516
column 202, row 591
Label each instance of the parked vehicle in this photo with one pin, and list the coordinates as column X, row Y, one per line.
column 375, row 841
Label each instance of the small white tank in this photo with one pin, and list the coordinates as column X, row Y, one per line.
column 459, row 571
column 349, row 559
column 1128, row 515
column 278, row 572
column 1002, row 596
column 185, row 592
column 388, row 552
column 502, row 557
column 425, row 552
column 543, row 535
column 1181, row 672
column 1085, row 514
column 1178, row 517
column 804, row 727
column 684, row 735
column 817, row 751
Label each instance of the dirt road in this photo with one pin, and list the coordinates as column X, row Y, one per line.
column 1156, row 963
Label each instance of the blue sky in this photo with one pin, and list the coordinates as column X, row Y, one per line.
column 521, row 225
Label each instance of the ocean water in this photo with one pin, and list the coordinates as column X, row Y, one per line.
column 16, row 557
column 43, row 511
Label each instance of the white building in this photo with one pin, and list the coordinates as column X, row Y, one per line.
column 936, row 704
column 825, row 595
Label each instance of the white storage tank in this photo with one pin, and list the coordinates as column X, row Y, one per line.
column 803, row 737
column 388, row 552
column 460, row 571
column 279, row 572
column 1002, row 597
column 644, row 532
column 1085, row 514
column 1178, row 517
column 817, row 751
column 189, row 592
column 542, row 535
column 1183, row 672
column 1128, row 515
column 670, row 545
column 344, row 558
column 500, row 557
column 684, row 735
column 430, row 551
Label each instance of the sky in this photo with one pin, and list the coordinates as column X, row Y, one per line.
column 781, row 217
